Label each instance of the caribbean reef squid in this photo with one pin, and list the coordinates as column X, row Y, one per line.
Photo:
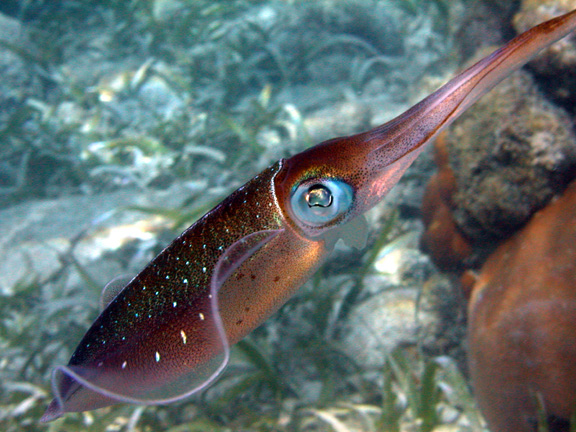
column 167, row 333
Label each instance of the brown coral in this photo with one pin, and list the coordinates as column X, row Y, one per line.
column 522, row 323
column 442, row 240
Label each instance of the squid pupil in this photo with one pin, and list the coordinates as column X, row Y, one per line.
column 319, row 196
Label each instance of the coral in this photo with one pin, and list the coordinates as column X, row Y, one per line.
column 501, row 162
column 498, row 167
column 556, row 65
column 522, row 317
column 447, row 246
column 510, row 154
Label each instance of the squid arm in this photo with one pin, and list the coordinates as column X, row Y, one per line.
column 166, row 334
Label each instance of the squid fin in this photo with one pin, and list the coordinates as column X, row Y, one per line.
column 112, row 289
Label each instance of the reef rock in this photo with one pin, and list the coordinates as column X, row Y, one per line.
column 522, row 323
column 510, row 154
column 556, row 64
column 501, row 162
column 491, row 207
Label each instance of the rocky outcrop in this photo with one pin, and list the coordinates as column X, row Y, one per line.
column 501, row 218
column 501, row 162
column 555, row 67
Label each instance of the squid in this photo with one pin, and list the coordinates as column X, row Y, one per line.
column 167, row 333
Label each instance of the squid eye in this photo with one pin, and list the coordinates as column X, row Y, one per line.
column 319, row 202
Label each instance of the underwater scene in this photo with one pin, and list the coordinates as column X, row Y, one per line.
column 288, row 215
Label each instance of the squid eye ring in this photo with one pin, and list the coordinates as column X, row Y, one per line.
column 318, row 202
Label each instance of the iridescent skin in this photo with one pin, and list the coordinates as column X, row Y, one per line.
column 166, row 334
